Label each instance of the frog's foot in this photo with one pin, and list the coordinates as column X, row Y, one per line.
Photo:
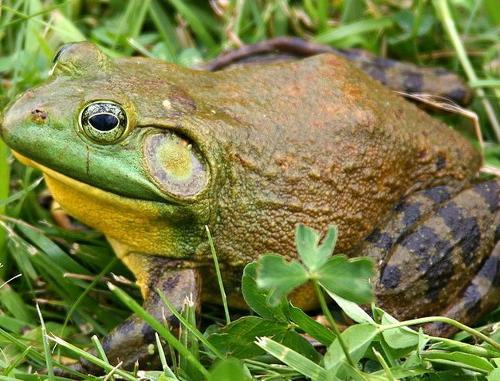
column 130, row 342
column 438, row 254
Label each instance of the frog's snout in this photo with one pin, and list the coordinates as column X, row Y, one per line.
column 25, row 110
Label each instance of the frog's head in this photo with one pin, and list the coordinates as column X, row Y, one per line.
column 119, row 146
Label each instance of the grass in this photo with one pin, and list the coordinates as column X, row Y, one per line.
column 62, row 288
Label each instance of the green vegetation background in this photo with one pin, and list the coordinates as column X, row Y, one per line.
column 64, row 272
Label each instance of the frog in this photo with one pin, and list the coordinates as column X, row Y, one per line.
column 152, row 154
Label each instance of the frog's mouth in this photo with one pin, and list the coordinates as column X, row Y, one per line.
column 61, row 186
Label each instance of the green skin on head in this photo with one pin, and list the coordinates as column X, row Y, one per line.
column 250, row 152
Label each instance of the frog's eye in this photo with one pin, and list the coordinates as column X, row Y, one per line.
column 175, row 165
column 103, row 122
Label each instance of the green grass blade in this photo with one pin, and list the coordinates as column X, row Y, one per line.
column 131, row 21
column 17, row 361
column 188, row 325
column 382, row 362
column 444, row 14
column 166, row 369
column 165, row 28
column 358, row 27
column 65, row 29
column 192, row 19
column 294, row 360
column 14, row 304
column 46, row 348
column 18, row 195
column 219, row 276
column 4, row 194
column 93, row 359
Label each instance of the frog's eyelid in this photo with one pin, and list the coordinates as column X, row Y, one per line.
column 55, row 60
column 58, row 53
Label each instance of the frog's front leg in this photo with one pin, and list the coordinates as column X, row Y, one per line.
column 128, row 343
column 439, row 254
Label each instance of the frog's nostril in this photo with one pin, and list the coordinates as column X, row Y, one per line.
column 38, row 116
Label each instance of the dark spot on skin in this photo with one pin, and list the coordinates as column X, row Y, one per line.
column 452, row 217
column 399, row 206
column 413, row 81
column 128, row 327
column 489, row 192
column 457, row 94
column 374, row 236
column 437, row 194
column 471, row 239
column 424, row 240
column 434, row 255
column 390, row 277
column 384, row 62
column 438, row 275
column 465, row 230
column 173, row 322
column 148, row 334
column 440, row 162
column 380, row 240
column 166, row 286
column 491, row 270
column 411, row 213
column 374, row 72
column 170, row 283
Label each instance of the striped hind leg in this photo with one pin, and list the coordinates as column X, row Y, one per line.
column 479, row 297
column 437, row 254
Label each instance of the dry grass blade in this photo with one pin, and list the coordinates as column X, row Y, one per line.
column 10, row 280
column 444, row 104
column 490, row 170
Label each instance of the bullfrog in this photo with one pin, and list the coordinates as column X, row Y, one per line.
column 150, row 154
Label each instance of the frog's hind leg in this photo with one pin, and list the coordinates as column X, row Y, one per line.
column 435, row 251
column 128, row 343
column 479, row 297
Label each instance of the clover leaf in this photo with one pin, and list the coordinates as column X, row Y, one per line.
column 279, row 277
column 339, row 275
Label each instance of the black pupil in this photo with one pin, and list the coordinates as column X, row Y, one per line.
column 103, row 122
